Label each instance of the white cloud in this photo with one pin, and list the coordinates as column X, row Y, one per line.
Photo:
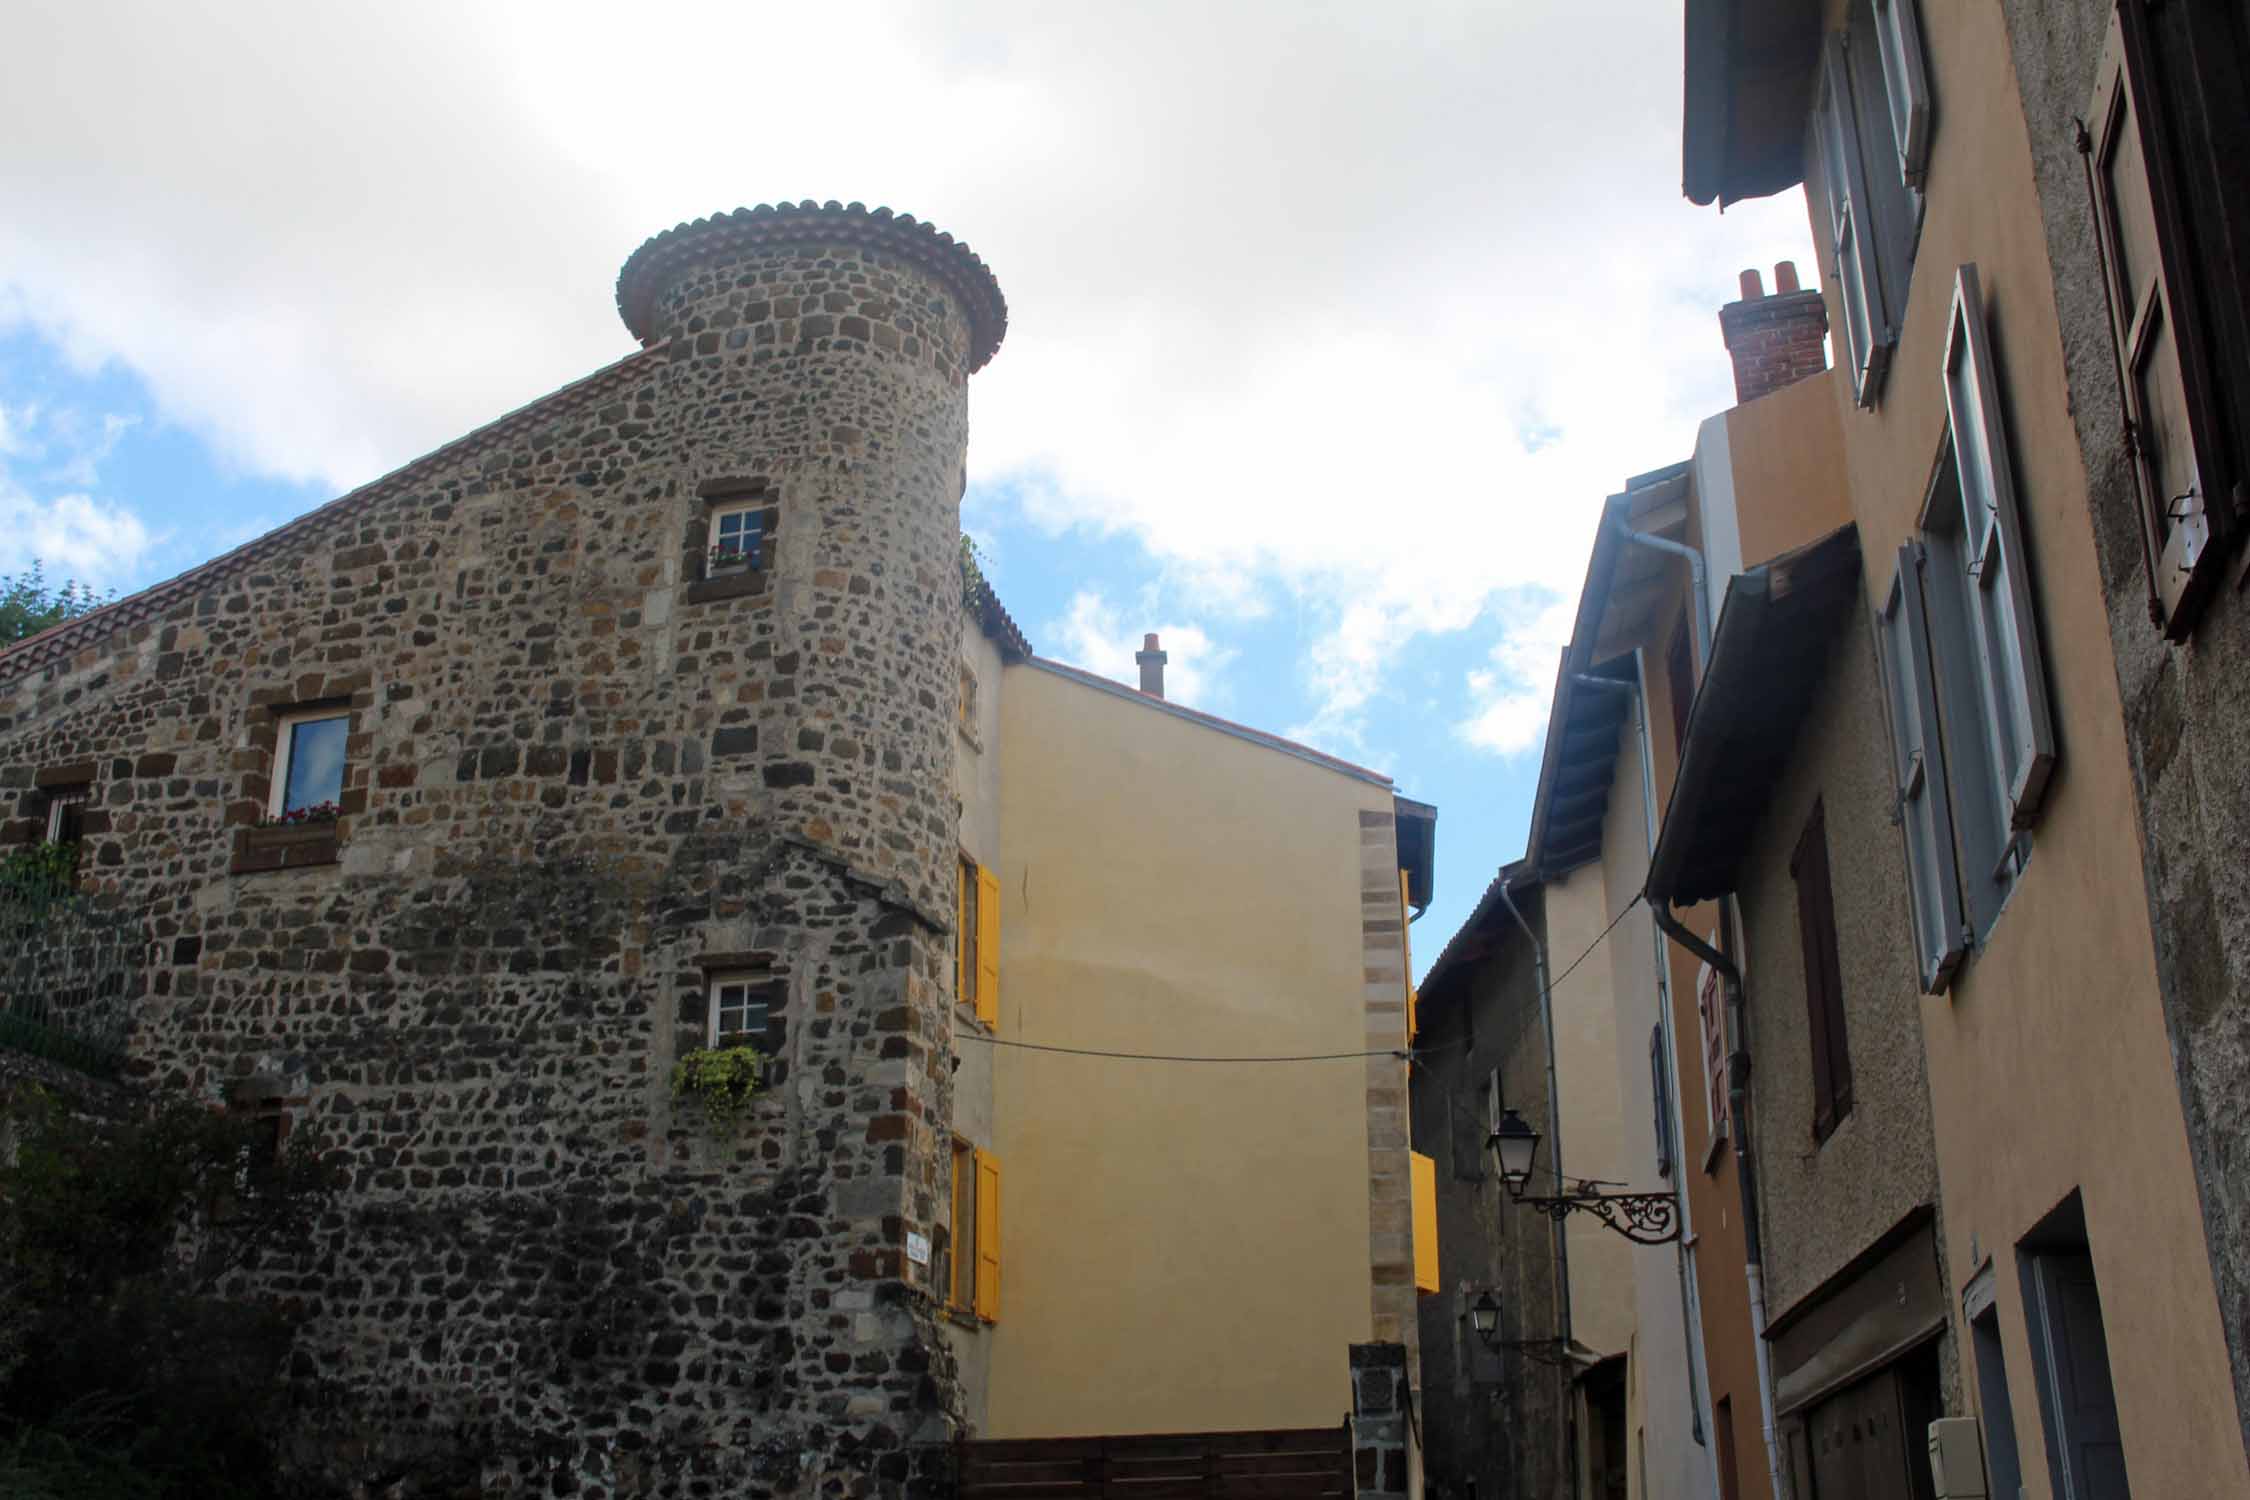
column 1509, row 696
column 1359, row 308
column 75, row 535
column 1095, row 635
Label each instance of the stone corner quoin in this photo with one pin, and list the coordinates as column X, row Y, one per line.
column 579, row 762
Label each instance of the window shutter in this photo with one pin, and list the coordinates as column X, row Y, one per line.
column 2171, row 433
column 988, row 1236
column 1867, row 332
column 1824, row 1012
column 2013, row 670
column 988, row 947
column 1661, row 1093
column 1898, row 31
column 1711, row 1006
column 1925, row 804
column 1424, row 1175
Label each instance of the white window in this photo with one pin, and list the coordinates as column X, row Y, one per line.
column 308, row 764
column 1870, row 134
column 66, row 811
column 739, row 1004
column 738, row 534
column 1898, row 37
column 1965, row 679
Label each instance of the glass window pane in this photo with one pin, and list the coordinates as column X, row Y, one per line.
column 316, row 763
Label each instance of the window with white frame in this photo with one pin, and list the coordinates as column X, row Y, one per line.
column 66, row 812
column 738, row 537
column 308, row 765
column 739, row 1006
column 1965, row 679
column 1871, row 128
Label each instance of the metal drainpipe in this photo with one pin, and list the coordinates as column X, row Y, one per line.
column 1691, row 1320
column 1702, row 610
column 1561, row 1246
column 1745, row 1177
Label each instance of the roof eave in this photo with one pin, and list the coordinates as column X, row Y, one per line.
column 1747, row 70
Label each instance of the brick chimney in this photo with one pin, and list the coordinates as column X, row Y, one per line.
column 1775, row 341
column 1152, row 665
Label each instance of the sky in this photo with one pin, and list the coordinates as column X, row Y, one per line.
column 1329, row 325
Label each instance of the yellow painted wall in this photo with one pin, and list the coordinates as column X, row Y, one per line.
column 1187, row 1245
column 2049, row 1066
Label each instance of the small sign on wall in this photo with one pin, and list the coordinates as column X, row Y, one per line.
column 917, row 1248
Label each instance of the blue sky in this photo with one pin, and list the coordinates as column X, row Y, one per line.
column 1327, row 333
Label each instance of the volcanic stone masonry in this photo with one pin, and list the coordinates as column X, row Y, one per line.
column 585, row 770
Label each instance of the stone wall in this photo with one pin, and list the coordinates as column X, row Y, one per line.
column 2187, row 707
column 582, row 776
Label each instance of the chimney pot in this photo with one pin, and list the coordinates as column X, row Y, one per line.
column 1151, row 662
column 1785, row 277
column 1774, row 341
column 1752, row 287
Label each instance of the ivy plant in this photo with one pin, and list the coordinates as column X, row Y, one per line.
column 38, row 872
column 723, row 1080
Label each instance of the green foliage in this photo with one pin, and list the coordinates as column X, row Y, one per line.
column 124, row 1371
column 30, row 604
column 37, row 872
column 972, row 572
column 724, row 1080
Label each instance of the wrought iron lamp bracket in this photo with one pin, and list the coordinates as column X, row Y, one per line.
column 1643, row 1218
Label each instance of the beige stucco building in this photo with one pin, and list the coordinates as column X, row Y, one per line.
column 1181, row 1245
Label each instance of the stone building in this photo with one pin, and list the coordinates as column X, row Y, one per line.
column 658, row 716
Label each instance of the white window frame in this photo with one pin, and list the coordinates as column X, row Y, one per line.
column 1851, row 241
column 719, row 513
column 2011, row 667
column 59, row 798
column 285, row 743
column 757, row 995
column 1906, row 80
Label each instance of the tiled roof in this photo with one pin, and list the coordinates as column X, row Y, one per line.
column 59, row 643
column 951, row 261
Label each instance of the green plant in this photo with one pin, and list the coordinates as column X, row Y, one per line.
column 36, row 872
column 723, row 1080
column 30, row 604
column 972, row 572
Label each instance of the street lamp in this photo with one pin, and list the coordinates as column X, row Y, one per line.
column 1484, row 1320
column 1643, row 1218
column 1484, row 1315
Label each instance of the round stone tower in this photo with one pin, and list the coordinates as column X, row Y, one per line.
column 816, row 392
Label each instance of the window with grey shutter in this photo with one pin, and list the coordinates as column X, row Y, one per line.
column 1925, row 811
column 2012, row 670
column 1660, row 1089
column 1851, row 259
column 1906, row 85
column 1824, row 983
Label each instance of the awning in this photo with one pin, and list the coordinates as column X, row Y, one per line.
column 1749, row 66
column 1766, row 661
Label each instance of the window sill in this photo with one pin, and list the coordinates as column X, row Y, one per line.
column 1712, row 1153
column 966, row 1010
column 961, row 1317
column 297, row 847
column 741, row 585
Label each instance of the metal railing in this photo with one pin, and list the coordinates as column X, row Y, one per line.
column 70, row 971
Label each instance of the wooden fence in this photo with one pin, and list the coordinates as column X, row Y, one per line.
column 1302, row 1464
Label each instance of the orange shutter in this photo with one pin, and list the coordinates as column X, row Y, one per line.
column 1425, row 1222
column 988, row 1236
column 988, row 947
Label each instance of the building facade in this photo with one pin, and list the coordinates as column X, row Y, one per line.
column 662, row 718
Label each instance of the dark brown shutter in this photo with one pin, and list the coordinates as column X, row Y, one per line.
column 1824, row 988
column 2165, row 114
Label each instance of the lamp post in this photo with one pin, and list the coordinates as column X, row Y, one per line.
column 1484, row 1320
column 1643, row 1218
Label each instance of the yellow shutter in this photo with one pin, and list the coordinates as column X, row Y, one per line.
column 1425, row 1223
column 988, row 947
column 988, row 1235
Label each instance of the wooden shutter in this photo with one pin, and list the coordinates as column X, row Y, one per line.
column 1906, row 85
column 1925, row 803
column 1824, row 1009
column 1660, row 1090
column 1859, row 289
column 988, row 947
column 1710, row 1003
column 961, row 1273
column 1424, row 1178
column 2171, row 429
column 2013, row 669
column 988, row 1236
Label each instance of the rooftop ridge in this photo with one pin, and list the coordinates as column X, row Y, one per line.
column 59, row 641
column 951, row 260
